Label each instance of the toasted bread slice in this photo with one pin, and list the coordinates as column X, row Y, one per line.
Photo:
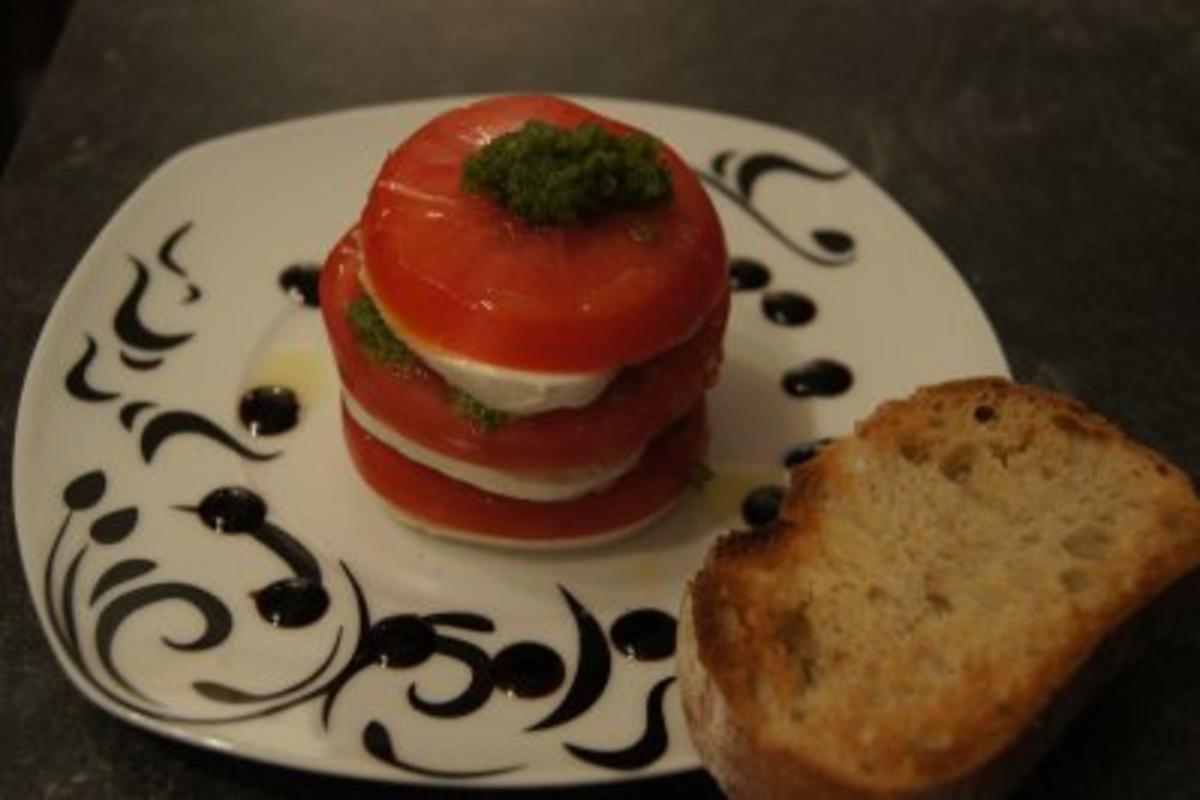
column 935, row 583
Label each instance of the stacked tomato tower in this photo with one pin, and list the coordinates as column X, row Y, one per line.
column 551, row 379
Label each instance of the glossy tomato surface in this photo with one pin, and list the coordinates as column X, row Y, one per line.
column 657, row 479
column 462, row 273
column 413, row 400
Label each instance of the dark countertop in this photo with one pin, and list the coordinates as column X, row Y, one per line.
column 1051, row 147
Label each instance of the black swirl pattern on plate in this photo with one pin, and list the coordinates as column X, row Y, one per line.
column 142, row 348
column 141, row 364
column 111, row 529
column 827, row 247
column 114, row 526
column 128, row 323
column 231, row 695
column 170, row 262
column 167, row 425
column 748, row 274
column 77, row 382
column 398, row 642
column 269, row 410
column 122, row 591
column 296, row 601
column 527, row 670
column 648, row 748
column 762, row 164
column 592, row 669
column 406, row 641
column 218, row 622
column 301, row 282
column 645, row 634
column 119, row 573
column 130, row 411
column 790, row 309
column 823, row 377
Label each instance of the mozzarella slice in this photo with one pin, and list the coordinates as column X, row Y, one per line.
column 542, row 486
column 514, row 391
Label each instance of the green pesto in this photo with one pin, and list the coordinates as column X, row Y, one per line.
column 557, row 176
column 480, row 416
column 374, row 334
column 382, row 345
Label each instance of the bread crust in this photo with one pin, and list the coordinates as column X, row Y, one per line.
column 730, row 661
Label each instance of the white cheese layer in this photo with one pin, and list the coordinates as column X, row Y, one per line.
column 514, row 391
column 542, row 486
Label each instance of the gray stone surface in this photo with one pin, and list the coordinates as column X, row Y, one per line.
column 1052, row 147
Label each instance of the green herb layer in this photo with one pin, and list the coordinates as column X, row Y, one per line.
column 374, row 334
column 480, row 416
column 556, row 176
column 381, row 344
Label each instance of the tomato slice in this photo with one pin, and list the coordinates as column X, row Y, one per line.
column 658, row 478
column 462, row 273
column 640, row 403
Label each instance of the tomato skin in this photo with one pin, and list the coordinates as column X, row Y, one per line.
column 640, row 403
column 462, row 273
column 658, row 478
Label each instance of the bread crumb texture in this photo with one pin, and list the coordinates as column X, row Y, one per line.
column 933, row 581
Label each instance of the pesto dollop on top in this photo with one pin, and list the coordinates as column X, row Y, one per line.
column 549, row 175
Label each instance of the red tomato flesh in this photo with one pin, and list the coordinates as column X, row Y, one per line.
column 658, row 478
column 459, row 271
column 640, row 403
